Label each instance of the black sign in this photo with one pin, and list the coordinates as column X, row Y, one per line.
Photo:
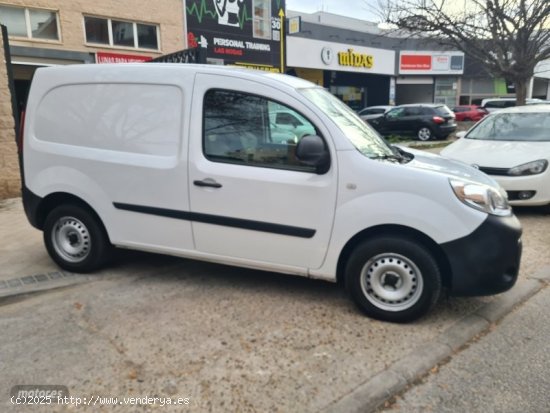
column 195, row 55
column 237, row 32
column 457, row 62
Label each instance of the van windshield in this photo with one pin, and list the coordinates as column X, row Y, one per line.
column 358, row 132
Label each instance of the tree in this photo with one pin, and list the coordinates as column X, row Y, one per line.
column 508, row 37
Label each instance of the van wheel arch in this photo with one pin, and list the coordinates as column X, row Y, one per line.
column 74, row 235
column 62, row 198
column 398, row 231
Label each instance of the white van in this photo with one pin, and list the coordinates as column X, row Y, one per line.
column 179, row 159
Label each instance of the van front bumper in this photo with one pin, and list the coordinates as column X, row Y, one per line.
column 486, row 261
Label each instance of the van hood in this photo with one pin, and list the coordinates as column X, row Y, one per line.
column 451, row 168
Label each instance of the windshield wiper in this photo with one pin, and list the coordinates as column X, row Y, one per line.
column 398, row 158
column 403, row 154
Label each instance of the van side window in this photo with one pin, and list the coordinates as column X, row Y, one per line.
column 252, row 130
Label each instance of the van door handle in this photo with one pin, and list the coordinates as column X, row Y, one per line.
column 208, row 182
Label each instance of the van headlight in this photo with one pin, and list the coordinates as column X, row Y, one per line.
column 482, row 197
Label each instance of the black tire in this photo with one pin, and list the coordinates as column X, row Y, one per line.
column 393, row 279
column 424, row 133
column 75, row 239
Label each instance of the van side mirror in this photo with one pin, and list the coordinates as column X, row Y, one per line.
column 460, row 134
column 312, row 151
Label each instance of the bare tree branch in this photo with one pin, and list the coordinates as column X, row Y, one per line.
column 508, row 37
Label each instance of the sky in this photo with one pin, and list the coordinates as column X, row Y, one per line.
column 359, row 9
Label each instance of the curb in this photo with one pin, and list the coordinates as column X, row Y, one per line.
column 40, row 282
column 372, row 394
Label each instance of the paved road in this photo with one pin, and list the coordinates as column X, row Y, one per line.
column 505, row 371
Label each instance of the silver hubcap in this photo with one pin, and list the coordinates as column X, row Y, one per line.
column 391, row 282
column 424, row 134
column 71, row 239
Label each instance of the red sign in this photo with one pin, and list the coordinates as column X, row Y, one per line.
column 105, row 57
column 416, row 62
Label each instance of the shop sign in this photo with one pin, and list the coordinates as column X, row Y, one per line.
column 423, row 63
column 317, row 54
column 351, row 58
column 416, row 62
column 106, row 57
column 237, row 32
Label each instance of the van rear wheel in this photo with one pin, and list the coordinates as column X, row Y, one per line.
column 75, row 239
column 393, row 279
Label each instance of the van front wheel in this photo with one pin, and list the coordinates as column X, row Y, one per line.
column 393, row 279
column 75, row 239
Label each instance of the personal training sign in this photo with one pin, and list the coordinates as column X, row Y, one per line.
column 431, row 63
column 238, row 32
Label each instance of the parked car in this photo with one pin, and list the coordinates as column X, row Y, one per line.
column 492, row 104
column 425, row 120
column 373, row 112
column 513, row 146
column 289, row 122
column 469, row 112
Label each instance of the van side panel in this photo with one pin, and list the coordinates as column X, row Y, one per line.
column 116, row 140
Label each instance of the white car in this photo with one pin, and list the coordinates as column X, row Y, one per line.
column 373, row 112
column 494, row 104
column 513, row 146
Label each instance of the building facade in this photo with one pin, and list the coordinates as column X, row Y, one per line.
column 421, row 70
column 366, row 66
column 10, row 181
column 58, row 32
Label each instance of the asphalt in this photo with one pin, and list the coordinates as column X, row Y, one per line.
column 505, row 371
column 407, row 371
column 223, row 332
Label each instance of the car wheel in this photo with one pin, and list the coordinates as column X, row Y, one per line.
column 393, row 279
column 75, row 239
column 424, row 133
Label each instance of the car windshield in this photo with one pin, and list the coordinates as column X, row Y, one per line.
column 534, row 126
column 443, row 110
column 360, row 134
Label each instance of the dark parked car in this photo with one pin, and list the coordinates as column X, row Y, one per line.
column 469, row 112
column 425, row 120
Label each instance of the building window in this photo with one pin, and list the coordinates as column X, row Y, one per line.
column 262, row 19
column 121, row 33
column 30, row 23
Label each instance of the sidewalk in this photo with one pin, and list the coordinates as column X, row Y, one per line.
column 25, row 266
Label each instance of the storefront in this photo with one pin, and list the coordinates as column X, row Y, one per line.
column 541, row 81
column 429, row 76
column 360, row 76
column 245, row 33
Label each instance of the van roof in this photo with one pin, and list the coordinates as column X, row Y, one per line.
column 101, row 70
